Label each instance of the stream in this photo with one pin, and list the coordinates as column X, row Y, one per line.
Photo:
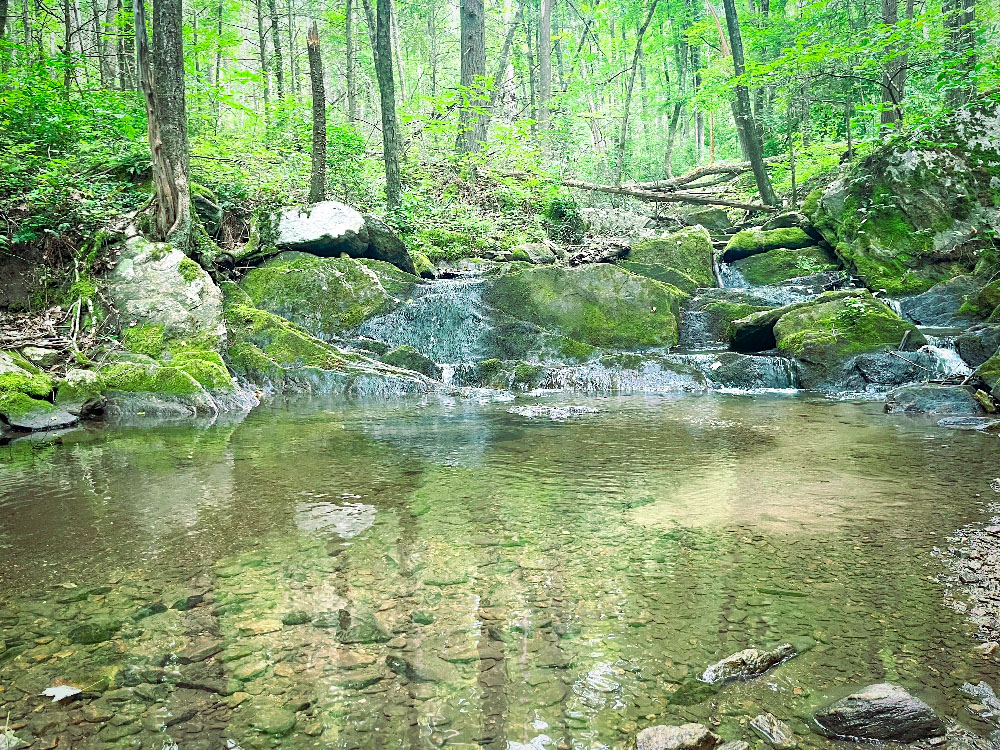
column 443, row 571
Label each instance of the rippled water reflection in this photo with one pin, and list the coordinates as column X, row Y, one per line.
column 447, row 573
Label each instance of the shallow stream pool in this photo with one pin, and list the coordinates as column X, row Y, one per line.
column 446, row 573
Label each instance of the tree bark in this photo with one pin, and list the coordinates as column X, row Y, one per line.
column 317, row 183
column 352, row 84
column 387, row 95
column 892, row 112
column 623, row 134
column 544, row 63
column 293, row 59
column 163, row 93
column 279, row 67
column 742, row 111
column 472, row 127
column 262, row 47
column 960, row 18
column 397, row 51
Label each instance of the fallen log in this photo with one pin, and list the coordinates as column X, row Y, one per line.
column 728, row 170
column 668, row 196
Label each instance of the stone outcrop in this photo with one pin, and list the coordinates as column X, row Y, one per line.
column 682, row 259
column 882, row 712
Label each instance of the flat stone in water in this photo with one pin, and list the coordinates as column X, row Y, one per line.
column 747, row 664
column 351, row 628
column 95, row 631
column 774, row 731
column 880, row 712
column 683, row 737
column 273, row 720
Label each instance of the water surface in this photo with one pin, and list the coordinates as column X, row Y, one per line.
column 443, row 572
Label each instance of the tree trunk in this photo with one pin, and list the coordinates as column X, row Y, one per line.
column 532, row 100
column 372, row 26
column 67, row 49
column 293, row 59
column 960, row 18
column 432, row 42
column 217, row 81
column 279, row 68
column 397, row 50
column 742, row 112
column 262, row 47
column 472, row 127
column 501, row 69
column 892, row 112
column 544, row 63
column 623, row 134
column 166, row 117
column 352, row 84
column 387, row 94
column 317, row 184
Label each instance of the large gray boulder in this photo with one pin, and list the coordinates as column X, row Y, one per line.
column 683, row 737
column 747, row 664
column 156, row 285
column 930, row 398
column 880, row 712
column 330, row 229
column 978, row 344
column 941, row 304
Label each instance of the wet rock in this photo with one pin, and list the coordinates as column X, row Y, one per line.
column 385, row 245
column 352, row 628
column 984, row 695
column 942, row 304
column 880, row 712
column 978, row 344
column 786, row 220
column 752, row 241
column 79, row 393
column 783, row 265
column 408, row 358
column 682, row 259
column 683, row 737
column 747, row 664
column 713, row 219
column 296, row 617
column 95, row 631
column 25, row 413
column 273, row 720
column 931, row 398
column 250, row 669
column 977, row 424
column 555, row 413
column 774, row 731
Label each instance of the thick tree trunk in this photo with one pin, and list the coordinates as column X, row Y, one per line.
column 532, row 100
column 544, row 63
column 623, row 133
column 167, row 117
column 432, row 43
column 279, row 66
column 293, row 59
column 960, row 19
column 387, row 94
column 352, row 84
column 742, row 112
column 317, row 184
column 472, row 127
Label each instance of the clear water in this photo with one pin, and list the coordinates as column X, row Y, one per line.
column 545, row 584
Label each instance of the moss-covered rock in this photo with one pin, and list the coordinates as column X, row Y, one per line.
column 683, row 259
column 782, row 264
column 600, row 305
column 752, row 241
column 422, row 265
column 23, row 412
column 326, row 296
column 408, row 358
column 984, row 303
column 18, row 375
column 834, row 326
column 922, row 208
column 989, row 373
column 80, row 392
column 711, row 313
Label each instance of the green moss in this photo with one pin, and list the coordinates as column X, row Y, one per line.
column 782, row 264
column 519, row 253
column 14, row 405
column 989, row 371
column 130, row 377
column 600, row 305
column 145, row 339
column 527, row 375
column 21, row 376
column 753, row 241
column 576, row 350
column 409, row 358
column 189, row 270
column 422, row 264
column 985, row 301
column 841, row 327
column 810, row 204
column 206, row 367
column 722, row 314
column 688, row 252
column 665, row 274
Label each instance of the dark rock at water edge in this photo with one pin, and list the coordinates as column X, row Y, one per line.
column 880, row 712
column 941, row 304
column 929, row 398
column 978, row 344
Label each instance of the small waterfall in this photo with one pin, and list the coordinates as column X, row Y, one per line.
column 648, row 376
column 695, row 331
column 740, row 373
column 896, row 306
column 940, row 356
column 446, row 321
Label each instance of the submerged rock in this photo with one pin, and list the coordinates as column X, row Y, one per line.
column 774, row 731
column 880, row 712
column 684, row 737
column 555, row 413
column 352, row 628
column 930, row 398
column 976, row 424
column 747, row 664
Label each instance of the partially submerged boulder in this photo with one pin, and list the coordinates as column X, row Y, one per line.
column 682, row 259
column 24, row 390
column 752, row 241
column 708, row 315
column 326, row 296
column 747, row 664
column 930, row 398
column 600, row 305
column 684, row 737
column 882, row 712
column 922, row 208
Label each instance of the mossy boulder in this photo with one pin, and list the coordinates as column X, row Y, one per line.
column 713, row 219
column 753, row 241
column 600, row 305
column 422, row 265
column 273, row 352
column 834, row 326
column 160, row 296
column 682, row 259
column 18, row 375
column 984, row 303
column 408, row 358
column 922, row 208
column 782, row 264
column 24, row 389
column 989, row 373
column 950, row 303
column 80, row 393
column 134, row 388
column 328, row 297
